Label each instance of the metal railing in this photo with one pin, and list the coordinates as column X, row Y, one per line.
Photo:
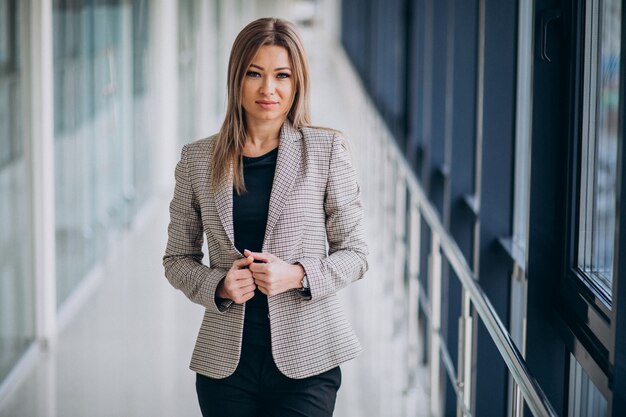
column 443, row 245
column 531, row 391
column 403, row 205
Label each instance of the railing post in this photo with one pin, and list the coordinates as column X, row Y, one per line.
column 399, row 253
column 464, row 368
column 517, row 401
column 435, row 326
column 413, row 294
column 397, row 213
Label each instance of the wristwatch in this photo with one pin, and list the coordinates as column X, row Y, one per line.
column 304, row 283
column 304, row 290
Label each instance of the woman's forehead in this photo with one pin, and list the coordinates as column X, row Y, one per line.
column 270, row 54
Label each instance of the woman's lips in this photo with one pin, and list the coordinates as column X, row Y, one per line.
column 266, row 104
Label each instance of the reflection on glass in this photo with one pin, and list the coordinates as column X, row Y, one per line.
column 17, row 304
column 5, row 32
column 101, row 148
column 188, row 70
column 599, row 151
column 143, row 137
column 585, row 400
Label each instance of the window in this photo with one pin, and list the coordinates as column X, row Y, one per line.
column 17, row 282
column 93, row 94
column 188, row 71
column 585, row 399
column 596, row 220
column 10, row 89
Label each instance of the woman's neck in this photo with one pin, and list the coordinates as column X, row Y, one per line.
column 261, row 137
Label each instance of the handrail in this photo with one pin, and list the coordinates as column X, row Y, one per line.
column 530, row 388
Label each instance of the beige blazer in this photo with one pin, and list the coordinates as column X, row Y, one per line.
column 315, row 218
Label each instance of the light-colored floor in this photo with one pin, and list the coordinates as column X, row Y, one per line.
column 126, row 351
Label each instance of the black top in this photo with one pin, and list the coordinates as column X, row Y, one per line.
column 250, row 211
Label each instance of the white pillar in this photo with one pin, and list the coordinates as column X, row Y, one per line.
column 212, row 96
column 41, row 145
column 164, row 38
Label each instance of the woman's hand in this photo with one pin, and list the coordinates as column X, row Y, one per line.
column 274, row 276
column 238, row 285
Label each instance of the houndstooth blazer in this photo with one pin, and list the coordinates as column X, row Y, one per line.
column 315, row 218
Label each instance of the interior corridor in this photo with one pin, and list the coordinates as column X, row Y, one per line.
column 126, row 350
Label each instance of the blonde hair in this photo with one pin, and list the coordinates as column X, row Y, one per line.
column 231, row 138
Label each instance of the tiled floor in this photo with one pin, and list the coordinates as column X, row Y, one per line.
column 126, row 351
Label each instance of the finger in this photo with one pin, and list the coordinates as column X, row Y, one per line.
column 255, row 267
column 248, row 288
column 236, row 287
column 242, row 274
column 243, row 298
column 243, row 262
column 240, row 283
column 241, row 293
column 245, row 282
column 258, row 256
column 263, row 289
column 260, row 278
column 267, row 285
column 235, row 278
column 247, row 296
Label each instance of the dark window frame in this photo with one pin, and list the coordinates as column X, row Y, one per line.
column 586, row 310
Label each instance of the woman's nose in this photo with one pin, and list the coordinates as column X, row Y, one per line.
column 267, row 87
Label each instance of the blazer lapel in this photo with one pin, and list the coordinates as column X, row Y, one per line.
column 287, row 167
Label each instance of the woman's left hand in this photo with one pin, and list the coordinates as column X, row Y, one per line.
column 273, row 275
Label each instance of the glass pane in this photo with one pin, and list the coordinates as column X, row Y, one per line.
column 188, row 71
column 93, row 132
column 5, row 34
column 143, row 137
column 585, row 400
column 523, row 126
column 17, row 293
column 599, row 150
column 72, row 70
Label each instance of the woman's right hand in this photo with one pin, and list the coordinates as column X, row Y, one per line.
column 238, row 285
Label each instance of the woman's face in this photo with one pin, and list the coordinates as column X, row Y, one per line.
column 268, row 86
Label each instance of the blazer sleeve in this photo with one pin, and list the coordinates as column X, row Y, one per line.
column 183, row 255
column 347, row 250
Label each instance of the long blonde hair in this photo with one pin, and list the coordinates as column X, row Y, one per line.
column 231, row 138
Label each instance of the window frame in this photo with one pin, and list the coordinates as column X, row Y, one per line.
column 589, row 114
column 587, row 312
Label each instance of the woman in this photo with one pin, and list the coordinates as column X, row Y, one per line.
column 270, row 192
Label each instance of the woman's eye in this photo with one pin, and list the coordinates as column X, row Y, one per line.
column 253, row 74
column 283, row 75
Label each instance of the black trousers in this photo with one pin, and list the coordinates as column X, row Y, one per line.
column 258, row 389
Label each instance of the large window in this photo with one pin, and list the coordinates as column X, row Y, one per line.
column 188, row 71
column 17, row 318
column 102, row 141
column 589, row 309
column 596, row 220
column 143, row 135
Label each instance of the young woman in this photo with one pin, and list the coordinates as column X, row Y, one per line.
column 280, row 206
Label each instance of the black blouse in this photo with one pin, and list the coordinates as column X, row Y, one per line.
column 250, row 211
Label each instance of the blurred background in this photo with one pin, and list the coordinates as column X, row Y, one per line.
column 489, row 140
